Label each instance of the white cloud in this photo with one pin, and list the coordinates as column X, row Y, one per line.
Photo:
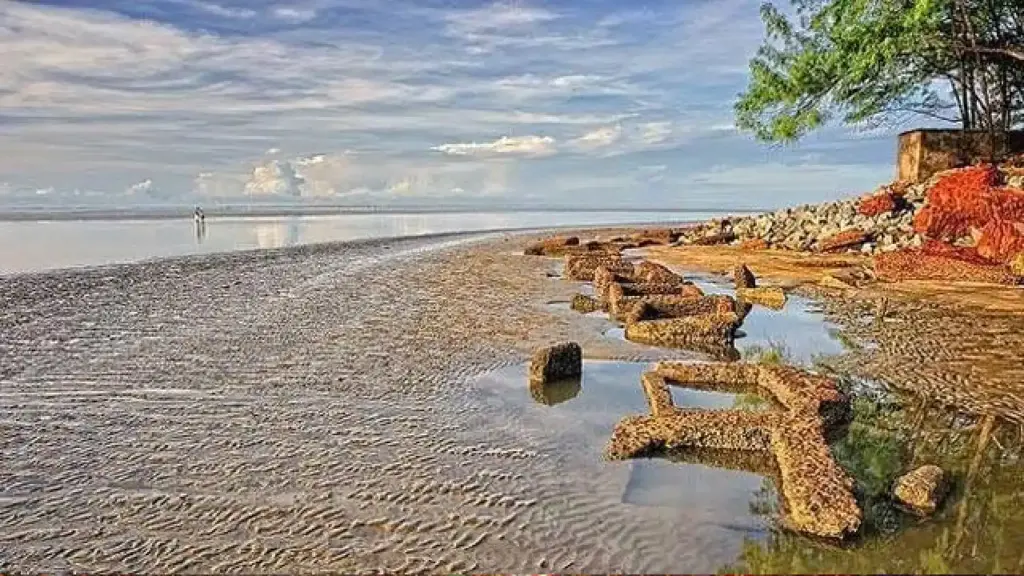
column 498, row 18
column 506, row 145
column 96, row 100
column 293, row 15
column 600, row 137
column 655, row 132
column 275, row 177
column 142, row 188
column 222, row 11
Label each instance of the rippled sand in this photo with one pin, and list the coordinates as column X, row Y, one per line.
column 311, row 409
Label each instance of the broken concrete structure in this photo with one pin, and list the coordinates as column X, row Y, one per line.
column 817, row 493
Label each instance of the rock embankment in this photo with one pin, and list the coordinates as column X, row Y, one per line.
column 963, row 224
column 850, row 225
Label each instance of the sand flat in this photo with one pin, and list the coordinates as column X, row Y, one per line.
column 307, row 410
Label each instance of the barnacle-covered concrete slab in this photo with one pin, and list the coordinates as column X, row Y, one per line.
column 679, row 332
column 581, row 266
column 817, row 494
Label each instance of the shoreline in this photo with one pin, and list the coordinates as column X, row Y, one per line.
column 329, row 389
column 342, row 244
column 236, row 212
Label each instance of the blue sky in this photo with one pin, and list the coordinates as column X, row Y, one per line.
column 601, row 103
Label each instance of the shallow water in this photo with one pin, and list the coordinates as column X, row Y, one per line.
column 581, row 422
column 27, row 246
column 799, row 331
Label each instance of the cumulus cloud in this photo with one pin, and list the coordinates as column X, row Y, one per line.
column 506, row 145
column 144, row 187
column 274, row 178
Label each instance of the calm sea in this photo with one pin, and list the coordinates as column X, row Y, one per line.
column 41, row 244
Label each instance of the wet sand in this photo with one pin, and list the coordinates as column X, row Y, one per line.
column 957, row 344
column 310, row 409
column 360, row 407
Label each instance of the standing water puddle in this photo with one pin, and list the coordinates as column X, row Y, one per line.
column 799, row 329
column 578, row 419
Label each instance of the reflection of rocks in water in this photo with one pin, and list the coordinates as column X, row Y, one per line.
column 979, row 529
column 556, row 392
column 817, row 492
column 770, row 297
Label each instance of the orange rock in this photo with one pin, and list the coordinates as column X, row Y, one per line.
column 755, row 244
column 877, row 204
column 959, row 200
column 846, row 239
column 1001, row 240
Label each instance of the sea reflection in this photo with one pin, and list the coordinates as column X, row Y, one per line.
column 200, row 231
column 27, row 246
column 978, row 529
column 278, row 235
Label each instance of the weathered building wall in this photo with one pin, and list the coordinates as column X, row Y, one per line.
column 922, row 153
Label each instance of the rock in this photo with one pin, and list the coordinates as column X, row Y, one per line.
column 554, row 363
column 656, row 236
column 883, row 203
column 648, row 271
column 958, row 200
column 673, row 306
column 843, row 240
column 714, row 239
column 581, row 267
column 768, row 296
column 551, row 246
column 585, row 304
column 921, row 490
column 678, row 332
column 743, row 277
column 1001, row 240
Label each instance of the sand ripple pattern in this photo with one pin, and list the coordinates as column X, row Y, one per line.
column 966, row 359
column 303, row 410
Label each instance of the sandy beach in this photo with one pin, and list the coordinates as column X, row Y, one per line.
column 305, row 410
column 341, row 407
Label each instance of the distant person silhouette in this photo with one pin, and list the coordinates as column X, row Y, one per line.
column 200, row 220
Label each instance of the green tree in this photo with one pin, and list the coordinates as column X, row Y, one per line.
column 877, row 61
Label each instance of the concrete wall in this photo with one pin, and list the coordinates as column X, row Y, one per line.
column 922, row 153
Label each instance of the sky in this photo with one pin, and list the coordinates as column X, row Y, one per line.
column 596, row 103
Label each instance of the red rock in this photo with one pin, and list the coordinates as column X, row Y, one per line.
column 755, row 244
column 1007, row 204
column 1001, row 240
column 959, row 200
column 877, row 204
column 846, row 239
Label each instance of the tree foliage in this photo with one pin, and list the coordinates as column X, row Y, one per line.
column 875, row 61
